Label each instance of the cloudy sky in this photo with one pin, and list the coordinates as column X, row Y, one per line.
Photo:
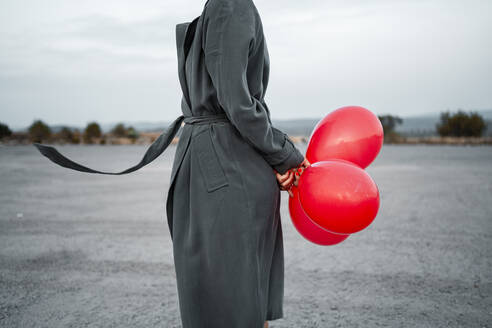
column 70, row 62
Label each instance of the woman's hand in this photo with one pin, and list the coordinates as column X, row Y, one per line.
column 291, row 177
column 285, row 180
column 300, row 169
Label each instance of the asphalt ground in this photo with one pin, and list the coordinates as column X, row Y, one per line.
column 88, row 250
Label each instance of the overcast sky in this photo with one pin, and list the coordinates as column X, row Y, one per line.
column 70, row 62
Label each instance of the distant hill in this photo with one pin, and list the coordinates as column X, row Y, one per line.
column 418, row 125
column 425, row 124
column 297, row 127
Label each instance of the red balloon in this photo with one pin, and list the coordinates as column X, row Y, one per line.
column 352, row 133
column 338, row 196
column 307, row 228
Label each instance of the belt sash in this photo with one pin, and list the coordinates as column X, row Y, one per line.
column 153, row 151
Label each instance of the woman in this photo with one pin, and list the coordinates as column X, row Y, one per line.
column 223, row 204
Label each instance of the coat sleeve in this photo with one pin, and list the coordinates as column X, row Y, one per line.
column 231, row 33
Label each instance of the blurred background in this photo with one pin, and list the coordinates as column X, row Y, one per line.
column 89, row 250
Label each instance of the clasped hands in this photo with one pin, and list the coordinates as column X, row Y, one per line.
column 291, row 177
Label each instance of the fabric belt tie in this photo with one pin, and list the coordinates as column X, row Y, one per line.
column 154, row 150
column 206, row 119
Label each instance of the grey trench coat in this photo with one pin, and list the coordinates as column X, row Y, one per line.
column 223, row 201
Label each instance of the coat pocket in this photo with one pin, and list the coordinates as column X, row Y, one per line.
column 209, row 162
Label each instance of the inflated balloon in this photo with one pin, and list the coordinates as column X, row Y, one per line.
column 307, row 228
column 352, row 133
column 338, row 196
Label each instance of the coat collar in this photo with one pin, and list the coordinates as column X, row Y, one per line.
column 184, row 36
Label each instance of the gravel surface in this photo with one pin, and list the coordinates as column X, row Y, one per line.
column 88, row 250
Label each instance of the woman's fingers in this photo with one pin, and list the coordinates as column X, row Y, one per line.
column 303, row 166
column 287, row 179
column 296, row 177
column 291, row 177
column 281, row 178
column 299, row 170
column 288, row 182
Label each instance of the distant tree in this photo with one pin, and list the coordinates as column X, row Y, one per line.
column 461, row 124
column 132, row 133
column 4, row 131
column 39, row 131
column 67, row 135
column 389, row 122
column 123, row 132
column 92, row 130
column 119, row 130
column 77, row 135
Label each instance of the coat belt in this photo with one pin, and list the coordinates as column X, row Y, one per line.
column 206, row 119
column 152, row 152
